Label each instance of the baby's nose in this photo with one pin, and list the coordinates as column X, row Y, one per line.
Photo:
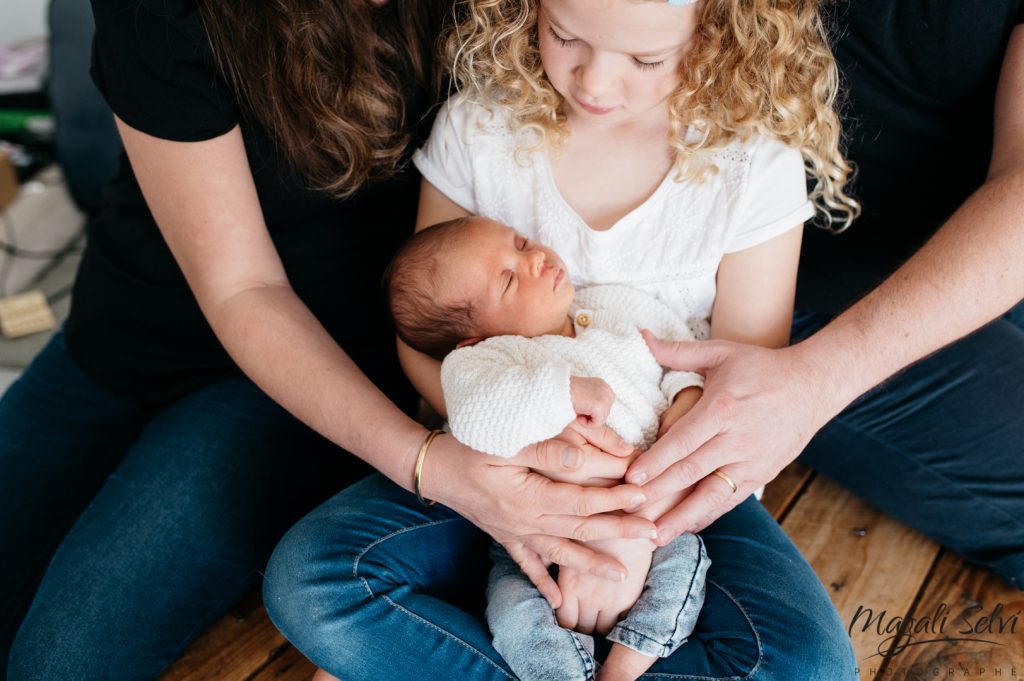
column 537, row 262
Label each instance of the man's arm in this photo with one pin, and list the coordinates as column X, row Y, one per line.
column 968, row 273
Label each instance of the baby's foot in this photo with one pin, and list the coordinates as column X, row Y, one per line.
column 624, row 664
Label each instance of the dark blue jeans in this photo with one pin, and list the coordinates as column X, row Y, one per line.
column 126, row 530
column 372, row 585
column 940, row 446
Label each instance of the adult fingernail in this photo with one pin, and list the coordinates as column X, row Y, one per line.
column 616, row 575
column 636, row 502
column 647, row 534
column 638, row 478
column 666, row 535
column 572, row 457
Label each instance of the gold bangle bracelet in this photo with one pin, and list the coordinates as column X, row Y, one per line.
column 418, row 470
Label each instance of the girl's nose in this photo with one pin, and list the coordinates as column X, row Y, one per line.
column 595, row 78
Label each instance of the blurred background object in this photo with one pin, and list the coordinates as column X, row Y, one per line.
column 58, row 139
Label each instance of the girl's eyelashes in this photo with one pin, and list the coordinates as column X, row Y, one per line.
column 564, row 42
column 642, row 65
column 647, row 65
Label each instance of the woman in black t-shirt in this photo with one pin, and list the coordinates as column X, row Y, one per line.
column 145, row 475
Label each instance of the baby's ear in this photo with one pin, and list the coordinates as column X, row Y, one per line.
column 468, row 342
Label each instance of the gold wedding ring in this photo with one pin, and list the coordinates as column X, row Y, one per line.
column 725, row 477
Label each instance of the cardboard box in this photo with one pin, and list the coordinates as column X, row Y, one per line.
column 8, row 181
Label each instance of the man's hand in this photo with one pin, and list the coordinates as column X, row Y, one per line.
column 759, row 409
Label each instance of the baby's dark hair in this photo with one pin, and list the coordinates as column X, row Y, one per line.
column 421, row 318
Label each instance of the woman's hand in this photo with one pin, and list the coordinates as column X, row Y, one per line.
column 759, row 409
column 537, row 518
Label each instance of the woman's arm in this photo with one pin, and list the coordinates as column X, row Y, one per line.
column 203, row 198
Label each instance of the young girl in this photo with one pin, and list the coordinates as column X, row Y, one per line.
column 658, row 145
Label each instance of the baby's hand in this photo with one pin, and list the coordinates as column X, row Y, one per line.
column 592, row 604
column 684, row 401
column 591, row 398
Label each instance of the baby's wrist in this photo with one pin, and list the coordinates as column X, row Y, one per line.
column 691, row 392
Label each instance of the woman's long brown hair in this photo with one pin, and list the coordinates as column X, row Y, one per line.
column 328, row 79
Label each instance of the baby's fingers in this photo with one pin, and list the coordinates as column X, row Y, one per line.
column 606, row 620
column 587, row 619
column 569, row 613
column 603, row 438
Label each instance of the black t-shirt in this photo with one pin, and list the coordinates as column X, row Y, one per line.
column 922, row 78
column 134, row 324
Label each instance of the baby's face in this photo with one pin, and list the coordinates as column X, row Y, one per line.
column 516, row 286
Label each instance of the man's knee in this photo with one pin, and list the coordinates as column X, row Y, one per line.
column 1012, row 570
column 813, row 653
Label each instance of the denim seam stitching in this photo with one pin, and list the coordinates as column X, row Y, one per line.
column 672, row 645
column 446, row 633
column 750, row 623
column 689, row 589
column 638, row 634
column 757, row 639
column 589, row 663
column 917, row 464
column 380, row 540
column 366, row 585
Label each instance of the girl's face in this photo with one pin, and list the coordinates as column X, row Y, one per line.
column 614, row 60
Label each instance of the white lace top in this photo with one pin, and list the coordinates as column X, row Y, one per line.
column 669, row 246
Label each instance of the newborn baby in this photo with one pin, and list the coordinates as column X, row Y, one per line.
column 520, row 347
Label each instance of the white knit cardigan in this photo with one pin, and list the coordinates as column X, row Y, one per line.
column 508, row 392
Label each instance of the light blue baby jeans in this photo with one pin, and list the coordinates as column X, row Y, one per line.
column 538, row 649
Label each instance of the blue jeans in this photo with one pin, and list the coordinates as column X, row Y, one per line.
column 940, row 446
column 533, row 644
column 372, row 585
column 125, row 529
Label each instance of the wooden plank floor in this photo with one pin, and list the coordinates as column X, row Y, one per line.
column 914, row 611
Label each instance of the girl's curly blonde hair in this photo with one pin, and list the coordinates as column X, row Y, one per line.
column 755, row 66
